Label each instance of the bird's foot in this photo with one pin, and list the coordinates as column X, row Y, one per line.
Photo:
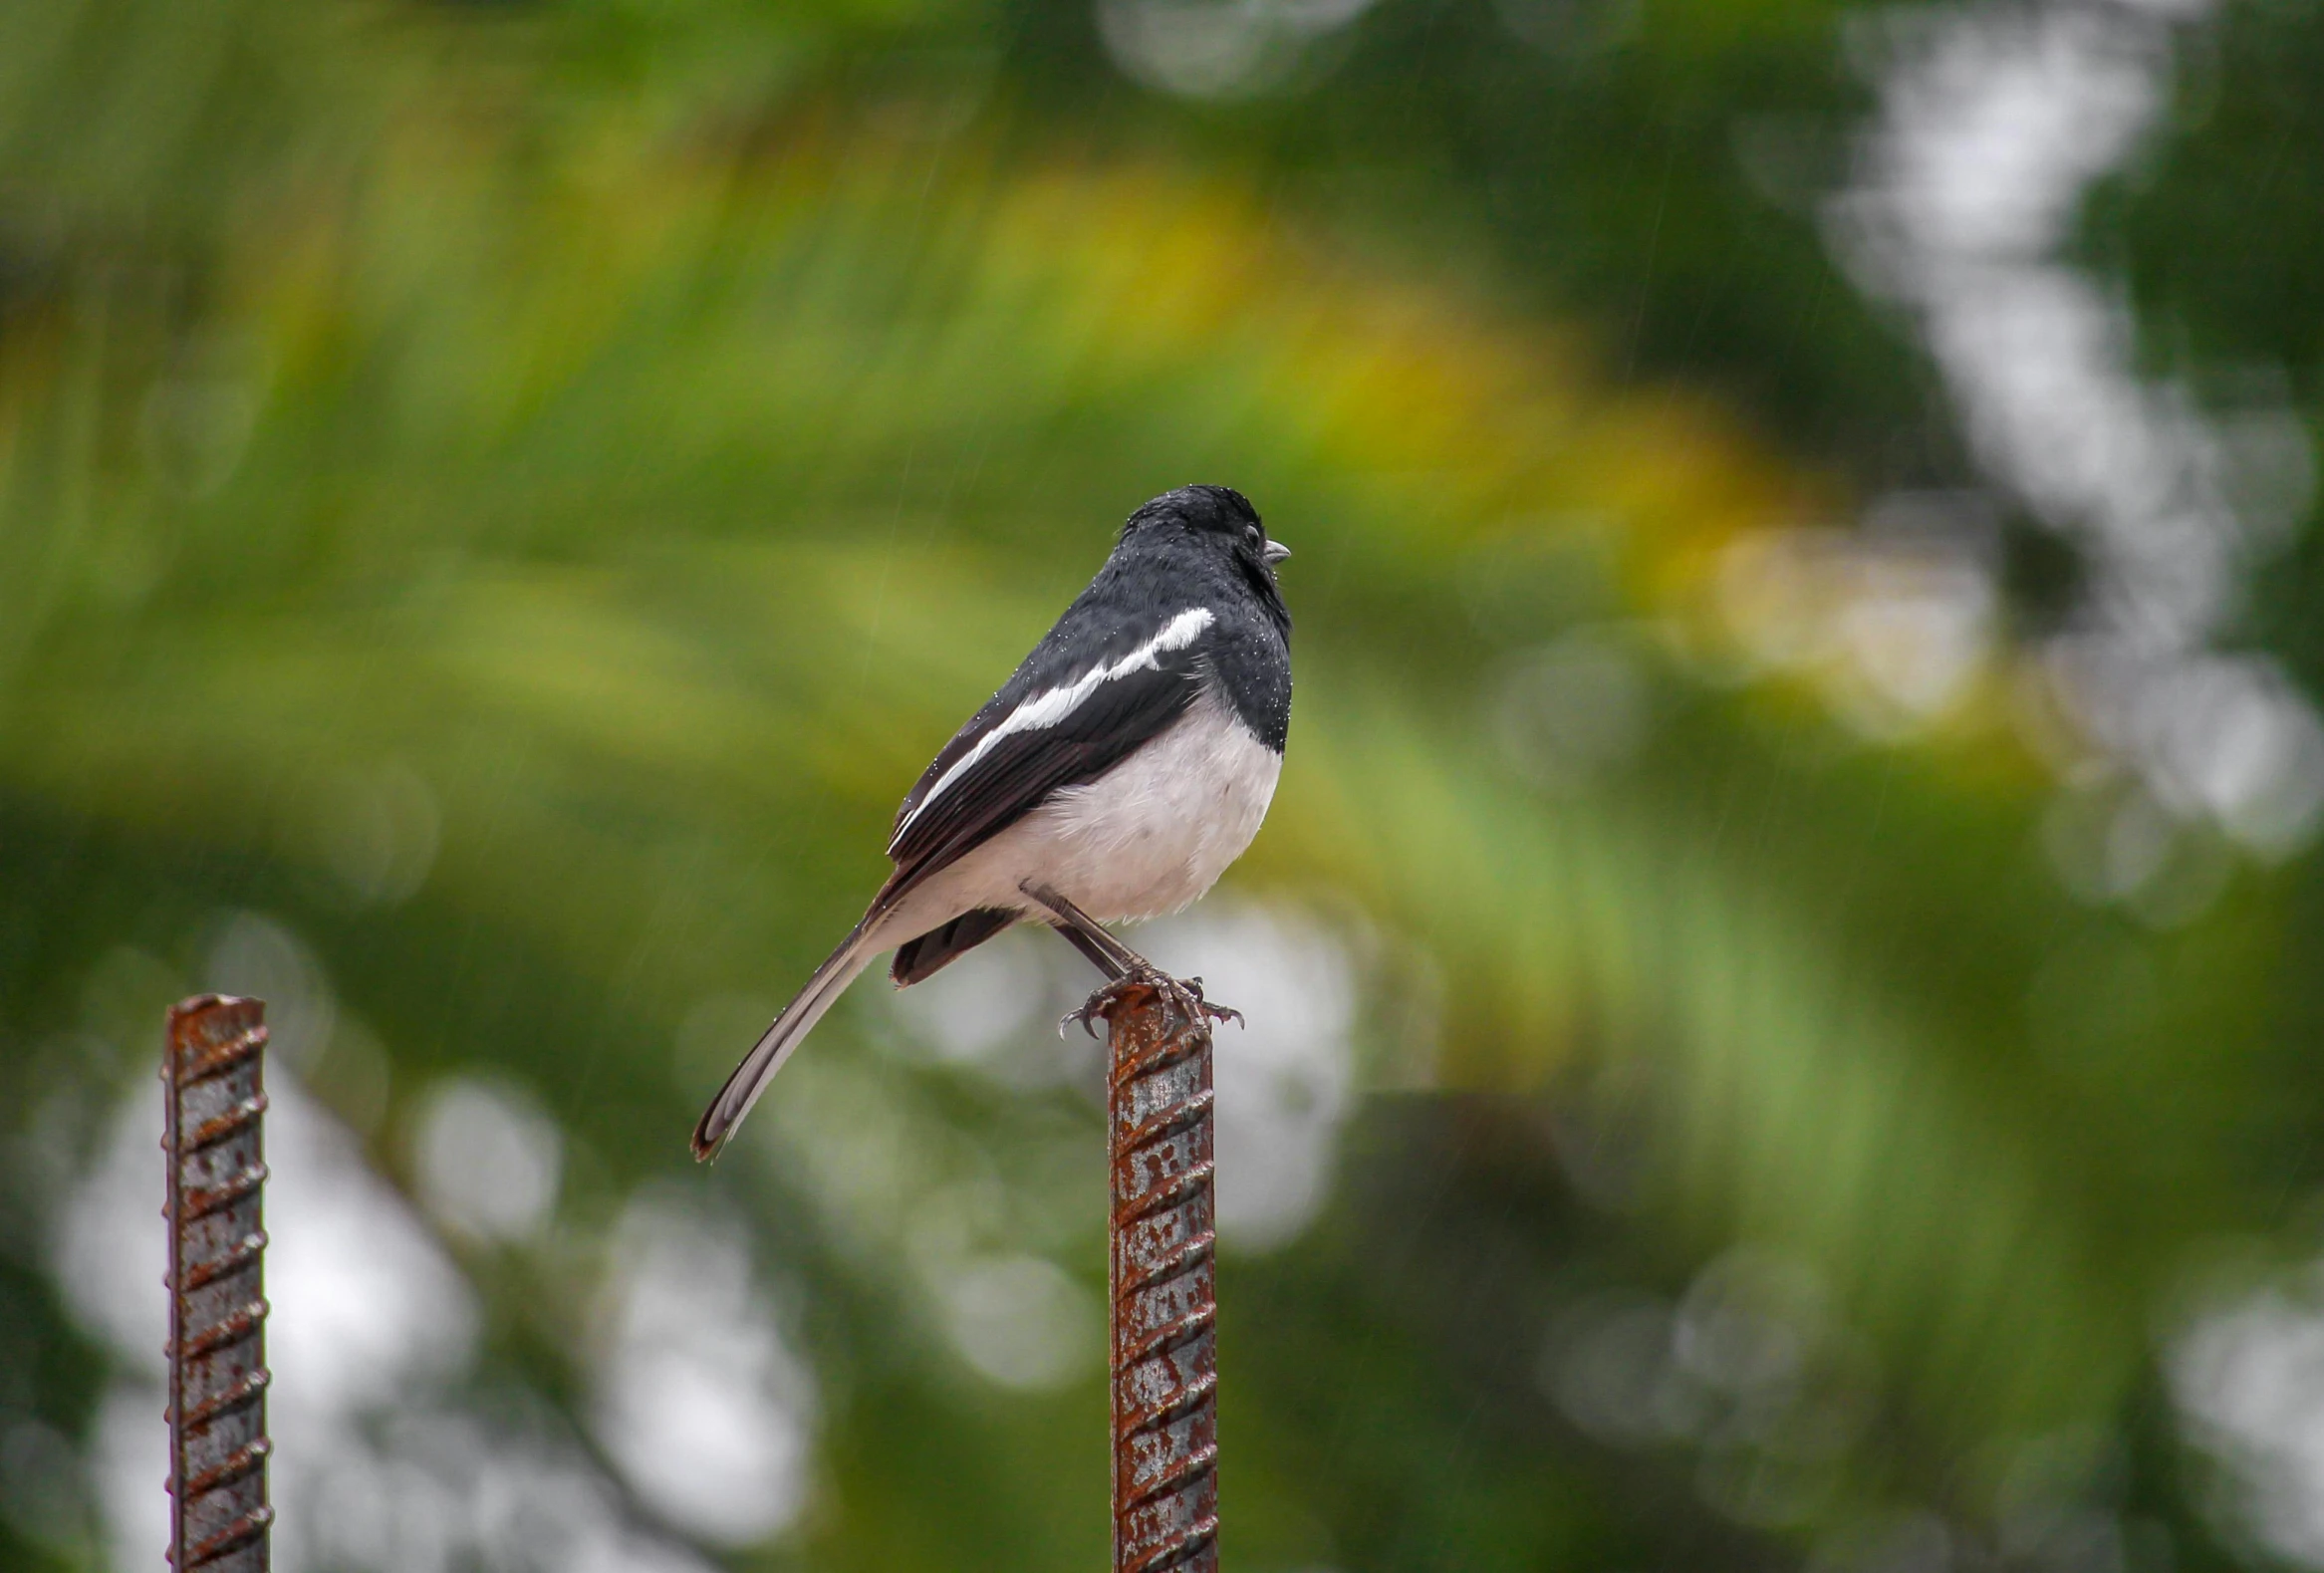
column 1218, row 1013
column 1183, row 996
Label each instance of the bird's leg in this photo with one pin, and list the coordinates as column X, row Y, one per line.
column 1123, row 967
column 1098, row 955
column 1108, row 953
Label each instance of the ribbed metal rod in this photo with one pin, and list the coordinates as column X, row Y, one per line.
column 214, row 1086
column 1163, row 1298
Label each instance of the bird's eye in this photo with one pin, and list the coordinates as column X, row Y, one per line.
column 1253, row 534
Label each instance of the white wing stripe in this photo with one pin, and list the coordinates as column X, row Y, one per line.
column 1047, row 709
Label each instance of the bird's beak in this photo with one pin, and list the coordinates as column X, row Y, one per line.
column 1273, row 552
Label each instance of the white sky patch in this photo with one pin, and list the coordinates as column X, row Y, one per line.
column 1022, row 1322
column 253, row 954
column 2250, row 1374
column 1054, row 705
column 489, row 1158
column 1894, row 619
column 978, row 1007
column 1221, row 49
column 1286, row 1078
column 700, row 1403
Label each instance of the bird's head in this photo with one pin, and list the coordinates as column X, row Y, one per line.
column 1218, row 515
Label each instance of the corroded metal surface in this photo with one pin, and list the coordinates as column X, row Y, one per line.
column 214, row 1085
column 1164, row 1303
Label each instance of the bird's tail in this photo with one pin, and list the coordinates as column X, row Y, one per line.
column 774, row 1046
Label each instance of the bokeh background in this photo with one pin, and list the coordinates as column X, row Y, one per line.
column 1786, row 974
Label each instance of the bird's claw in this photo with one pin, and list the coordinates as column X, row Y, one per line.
column 1100, row 1005
column 1090, row 1011
column 1183, row 996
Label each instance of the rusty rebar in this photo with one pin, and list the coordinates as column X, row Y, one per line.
column 1164, row 1299
column 214, row 1076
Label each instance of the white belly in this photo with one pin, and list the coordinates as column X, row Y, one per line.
column 1147, row 837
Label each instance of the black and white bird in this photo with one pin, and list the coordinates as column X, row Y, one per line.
column 1114, row 777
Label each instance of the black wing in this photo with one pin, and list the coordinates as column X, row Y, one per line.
column 1056, row 724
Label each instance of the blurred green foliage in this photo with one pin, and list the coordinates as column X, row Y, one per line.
column 649, row 427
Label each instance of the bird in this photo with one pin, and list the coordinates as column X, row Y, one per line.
column 1128, row 761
